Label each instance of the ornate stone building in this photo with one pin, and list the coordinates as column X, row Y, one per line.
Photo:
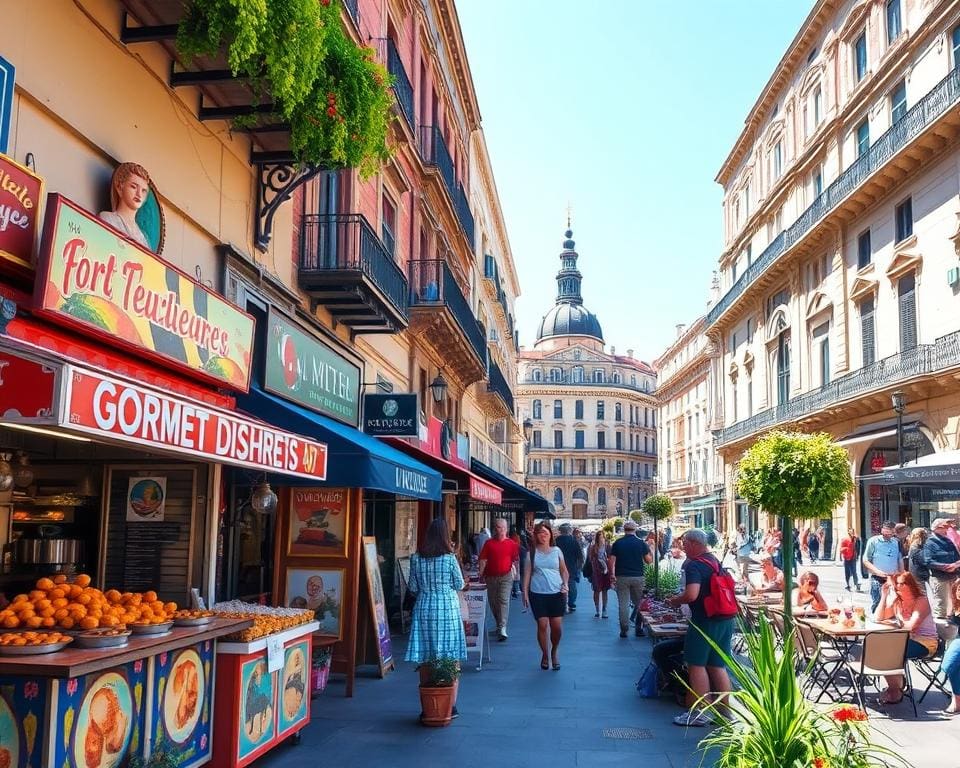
column 593, row 447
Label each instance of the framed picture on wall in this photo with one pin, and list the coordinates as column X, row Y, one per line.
column 318, row 522
column 321, row 591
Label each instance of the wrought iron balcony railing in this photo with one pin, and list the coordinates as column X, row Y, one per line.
column 922, row 359
column 567, row 381
column 498, row 385
column 432, row 284
column 930, row 108
column 434, row 151
column 401, row 84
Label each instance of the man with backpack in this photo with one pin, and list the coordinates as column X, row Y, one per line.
column 713, row 607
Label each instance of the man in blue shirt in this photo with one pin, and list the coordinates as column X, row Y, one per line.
column 627, row 558
column 881, row 558
column 573, row 557
column 940, row 555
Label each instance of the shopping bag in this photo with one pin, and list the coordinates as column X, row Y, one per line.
column 648, row 685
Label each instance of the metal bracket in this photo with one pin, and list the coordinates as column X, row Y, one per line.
column 276, row 181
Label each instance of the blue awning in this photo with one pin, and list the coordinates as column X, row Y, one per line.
column 354, row 460
column 513, row 492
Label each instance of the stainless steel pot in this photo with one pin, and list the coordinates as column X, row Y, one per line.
column 46, row 551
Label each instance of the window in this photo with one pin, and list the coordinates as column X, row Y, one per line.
column 580, row 466
column 864, row 250
column 537, row 438
column 777, row 167
column 619, row 469
column 633, row 381
column 617, row 378
column 907, row 306
column 388, row 225
column 867, row 338
column 860, row 57
column 601, row 440
column 816, row 183
column 602, row 497
column 598, row 376
column 821, row 351
column 749, row 254
column 893, row 20
column 538, row 375
column 556, row 374
column 863, row 137
column 749, row 401
column 904, row 216
column 600, row 409
column 898, row 102
column 558, row 493
column 733, row 273
column 601, row 466
column 618, row 412
column 558, row 466
column 646, row 445
column 955, row 39
column 619, row 441
column 537, row 408
column 578, row 439
column 536, row 467
column 733, row 400
column 783, row 368
column 817, row 105
column 558, row 409
column 578, row 375
column 578, row 409
column 558, row 438
column 646, row 470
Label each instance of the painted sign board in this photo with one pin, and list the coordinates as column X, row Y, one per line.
column 21, row 193
column 26, row 388
column 393, row 415
column 7, row 79
column 93, row 278
column 301, row 368
column 378, row 604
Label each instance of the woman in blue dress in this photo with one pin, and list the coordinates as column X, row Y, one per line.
column 437, row 628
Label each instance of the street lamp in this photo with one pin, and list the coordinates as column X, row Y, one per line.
column 527, row 429
column 899, row 404
column 438, row 388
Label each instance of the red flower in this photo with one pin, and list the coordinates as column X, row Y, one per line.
column 820, row 762
column 843, row 714
column 331, row 111
column 72, row 685
column 138, row 666
column 31, row 690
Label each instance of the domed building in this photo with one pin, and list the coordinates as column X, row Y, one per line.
column 593, row 447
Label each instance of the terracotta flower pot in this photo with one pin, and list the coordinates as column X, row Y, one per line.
column 436, row 703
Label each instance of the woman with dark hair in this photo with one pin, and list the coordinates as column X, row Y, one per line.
column 436, row 631
column 545, row 591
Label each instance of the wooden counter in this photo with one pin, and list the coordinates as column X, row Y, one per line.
column 74, row 662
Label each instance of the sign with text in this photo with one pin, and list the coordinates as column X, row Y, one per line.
column 394, row 415
column 93, row 278
column 301, row 368
column 7, row 78
column 21, row 191
column 484, row 491
column 473, row 611
column 103, row 406
column 26, row 389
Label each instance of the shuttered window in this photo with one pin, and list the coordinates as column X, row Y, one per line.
column 867, row 337
column 906, row 290
column 783, row 368
column 864, row 250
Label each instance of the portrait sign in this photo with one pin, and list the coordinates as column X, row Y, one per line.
column 318, row 522
column 258, row 699
column 321, row 591
column 21, row 192
column 146, row 499
column 378, row 607
column 293, row 706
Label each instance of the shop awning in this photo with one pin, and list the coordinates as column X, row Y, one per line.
column 933, row 469
column 702, row 502
column 356, row 460
column 475, row 486
column 513, row 492
column 869, row 434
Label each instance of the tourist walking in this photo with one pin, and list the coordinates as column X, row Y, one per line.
column 627, row 558
column 743, row 545
column 598, row 554
column 573, row 557
column 881, row 558
column 950, row 666
column 850, row 554
column 813, row 546
column 499, row 560
column 943, row 560
column 916, row 563
column 515, row 537
column 545, row 591
column 705, row 666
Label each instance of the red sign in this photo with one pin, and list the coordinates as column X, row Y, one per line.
column 108, row 407
column 20, row 194
column 483, row 491
column 26, row 388
column 878, row 462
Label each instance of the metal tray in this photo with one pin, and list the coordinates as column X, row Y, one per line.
column 197, row 621
column 32, row 650
column 151, row 629
column 102, row 641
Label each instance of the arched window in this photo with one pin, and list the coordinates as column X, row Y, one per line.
column 537, row 409
column 598, row 376
column 556, row 374
column 620, row 493
column 618, row 412
column 617, row 378
column 578, row 374
column 580, row 495
column 538, row 375
column 602, row 497
column 783, row 368
column 633, row 381
column 558, row 495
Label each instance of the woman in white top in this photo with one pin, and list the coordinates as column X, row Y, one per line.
column 545, row 591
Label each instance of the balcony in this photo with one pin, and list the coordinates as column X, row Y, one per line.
column 567, row 381
column 441, row 316
column 863, row 173
column 433, row 150
column 498, row 395
column 494, row 286
column 854, row 389
column 402, row 88
column 347, row 269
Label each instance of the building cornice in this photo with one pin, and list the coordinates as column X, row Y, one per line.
column 571, row 390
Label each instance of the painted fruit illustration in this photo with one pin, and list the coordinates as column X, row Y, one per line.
column 291, row 365
column 104, row 314
column 226, row 369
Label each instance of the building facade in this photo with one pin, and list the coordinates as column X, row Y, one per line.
column 840, row 270
column 688, row 469
column 593, row 446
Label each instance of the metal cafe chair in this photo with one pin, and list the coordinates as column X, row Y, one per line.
column 929, row 668
column 884, row 653
column 819, row 662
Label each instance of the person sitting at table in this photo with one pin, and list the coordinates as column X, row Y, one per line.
column 903, row 603
column 771, row 577
column 807, row 594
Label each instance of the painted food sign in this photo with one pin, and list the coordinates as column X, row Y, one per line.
column 301, row 368
column 93, row 278
column 104, row 723
column 294, row 698
column 318, row 522
column 181, row 706
column 258, row 698
column 23, row 703
column 21, row 191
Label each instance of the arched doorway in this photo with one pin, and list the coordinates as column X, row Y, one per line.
column 579, row 503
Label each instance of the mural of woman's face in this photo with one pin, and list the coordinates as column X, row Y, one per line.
column 132, row 192
column 314, row 586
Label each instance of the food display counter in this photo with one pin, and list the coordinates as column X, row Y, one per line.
column 92, row 707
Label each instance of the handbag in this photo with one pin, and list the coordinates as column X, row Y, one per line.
column 587, row 569
column 648, row 686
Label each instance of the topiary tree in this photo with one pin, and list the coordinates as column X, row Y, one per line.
column 795, row 476
column 658, row 507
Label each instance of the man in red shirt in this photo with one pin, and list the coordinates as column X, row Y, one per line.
column 497, row 560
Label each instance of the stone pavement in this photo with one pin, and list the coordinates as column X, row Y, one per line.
column 512, row 713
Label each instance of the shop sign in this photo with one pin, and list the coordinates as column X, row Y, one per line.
column 26, row 388
column 301, row 368
column 7, row 79
column 393, row 415
column 107, row 407
column 486, row 492
column 21, row 191
column 92, row 278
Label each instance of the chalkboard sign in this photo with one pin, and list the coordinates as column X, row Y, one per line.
column 377, row 602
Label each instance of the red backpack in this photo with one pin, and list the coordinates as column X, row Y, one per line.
column 721, row 603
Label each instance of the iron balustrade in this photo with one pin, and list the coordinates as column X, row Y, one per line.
column 498, row 385
column 345, row 241
column 918, row 361
column 401, row 83
column 567, row 381
column 433, row 149
column 432, row 284
column 462, row 207
column 918, row 118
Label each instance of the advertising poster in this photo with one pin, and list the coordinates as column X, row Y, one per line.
column 473, row 610
column 294, row 699
column 318, row 523
column 258, row 698
column 21, row 191
column 181, row 714
column 146, row 498
column 378, row 608
column 23, row 703
column 320, row 590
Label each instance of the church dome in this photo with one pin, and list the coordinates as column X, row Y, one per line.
column 568, row 317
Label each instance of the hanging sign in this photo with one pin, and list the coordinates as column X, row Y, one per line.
column 21, row 191
column 7, row 79
column 92, row 278
column 26, row 389
column 393, row 415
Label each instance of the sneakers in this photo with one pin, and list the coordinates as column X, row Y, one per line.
column 502, row 634
column 573, row 608
column 690, row 719
column 604, row 615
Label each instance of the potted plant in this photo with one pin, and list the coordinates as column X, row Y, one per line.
column 658, row 507
column 320, row 668
column 439, row 681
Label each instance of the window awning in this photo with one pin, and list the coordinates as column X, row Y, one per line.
column 875, row 433
column 355, row 460
column 513, row 492
column 933, row 469
column 475, row 486
column 702, row 502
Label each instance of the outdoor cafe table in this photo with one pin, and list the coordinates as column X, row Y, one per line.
column 658, row 631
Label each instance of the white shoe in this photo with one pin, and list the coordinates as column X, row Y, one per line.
column 690, row 719
column 503, row 633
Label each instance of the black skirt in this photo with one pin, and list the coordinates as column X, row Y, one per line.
column 550, row 606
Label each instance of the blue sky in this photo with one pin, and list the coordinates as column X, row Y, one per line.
column 625, row 109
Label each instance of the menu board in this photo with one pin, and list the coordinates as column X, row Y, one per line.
column 377, row 602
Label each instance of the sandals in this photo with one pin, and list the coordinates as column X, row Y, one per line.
column 556, row 666
column 544, row 664
column 884, row 698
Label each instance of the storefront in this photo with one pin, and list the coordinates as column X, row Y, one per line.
column 702, row 511
column 923, row 489
column 519, row 506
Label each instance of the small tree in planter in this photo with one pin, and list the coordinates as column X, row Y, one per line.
column 795, row 476
column 657, row 507
column 438, row 691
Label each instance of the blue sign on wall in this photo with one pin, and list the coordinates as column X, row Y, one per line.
column 6, row 102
